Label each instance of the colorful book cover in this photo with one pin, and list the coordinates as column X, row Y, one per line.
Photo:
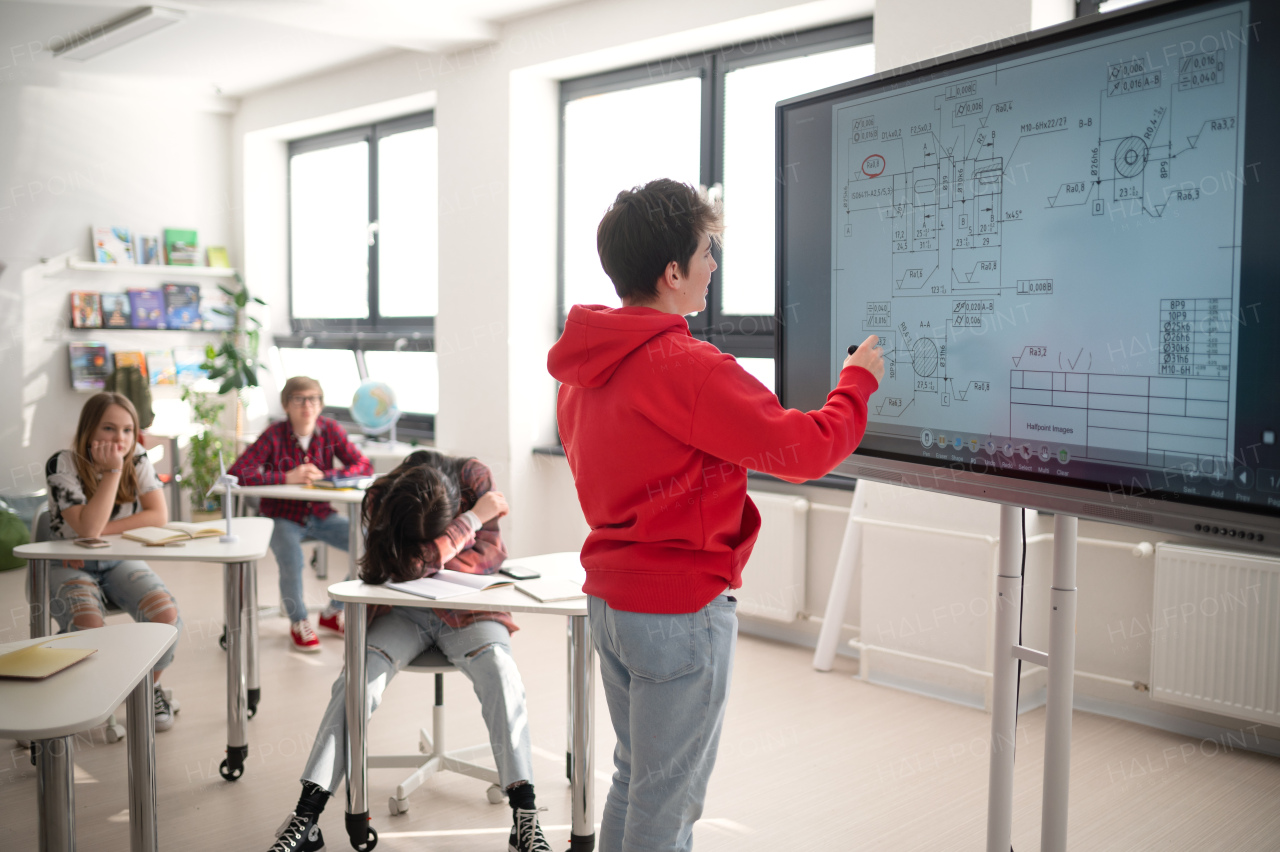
column 146, row 250
column 180, row 247
column 217, row 256
column 116, row 311
column 161, row 369
column 131, row 358
column 181, row 305
column 89, row 367
column 188, row 361
column 86, row 309
column 148, row 308
column 112, row 245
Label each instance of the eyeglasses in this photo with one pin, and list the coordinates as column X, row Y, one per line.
column 303, row 401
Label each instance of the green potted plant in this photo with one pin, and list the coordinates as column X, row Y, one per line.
column 202, row 453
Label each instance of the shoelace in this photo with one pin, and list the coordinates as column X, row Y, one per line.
column 529, row 833
column 305, row 631
column 284, row 843
column 158, row 703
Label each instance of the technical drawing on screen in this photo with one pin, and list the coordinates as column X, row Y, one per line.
column 1049, row 249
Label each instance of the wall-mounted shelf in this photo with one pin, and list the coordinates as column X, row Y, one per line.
column 151, row 269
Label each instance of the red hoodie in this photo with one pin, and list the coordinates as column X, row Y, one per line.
column 660, row 429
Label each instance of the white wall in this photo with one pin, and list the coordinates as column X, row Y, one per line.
column 72, row 157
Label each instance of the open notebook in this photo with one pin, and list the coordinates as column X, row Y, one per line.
column 36, row 662
column 175, row 531
column 449, row 584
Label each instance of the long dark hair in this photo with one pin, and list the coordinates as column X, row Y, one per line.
column 406, row 509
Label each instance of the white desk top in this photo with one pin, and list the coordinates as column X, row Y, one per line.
column 503, row 599
column 84, row 695
column 254, row 533
column 303, row 492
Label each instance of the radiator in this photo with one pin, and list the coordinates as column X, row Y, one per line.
column 1216, row 632
column 773, row 580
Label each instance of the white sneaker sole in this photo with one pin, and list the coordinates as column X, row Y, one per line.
column 303, row 649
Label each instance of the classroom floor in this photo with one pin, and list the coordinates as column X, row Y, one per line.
column 808, row 761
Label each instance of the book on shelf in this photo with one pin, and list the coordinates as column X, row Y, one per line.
column 217, row 257
column 116, row 311
column 217, row 312
column 146, row 250
column 175, row 531
column 86, row 309
column 552, row 589
column 180, row 247
column 112, row 245
column 446, row 584
column 161, row 368
column 131, row 358
column 148, row 308
column 189, row 364
column 181, row 305
column 89, row 366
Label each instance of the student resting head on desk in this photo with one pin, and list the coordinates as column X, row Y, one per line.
column 105, row 485
column 659, row 429
column 431, row 511
column 297, row 451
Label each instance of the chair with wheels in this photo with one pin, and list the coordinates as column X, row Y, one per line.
column 434, row 756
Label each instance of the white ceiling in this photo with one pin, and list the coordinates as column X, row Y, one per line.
column 238, row 46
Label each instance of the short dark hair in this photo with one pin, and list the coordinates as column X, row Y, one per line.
column 648, row 227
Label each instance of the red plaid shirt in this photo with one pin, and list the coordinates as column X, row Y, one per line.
column 277, row 452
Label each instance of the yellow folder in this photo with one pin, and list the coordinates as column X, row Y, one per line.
column 36, row 662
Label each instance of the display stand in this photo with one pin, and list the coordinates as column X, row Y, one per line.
column 1060, row 662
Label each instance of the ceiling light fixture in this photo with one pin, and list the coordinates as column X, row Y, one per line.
column 103, row 37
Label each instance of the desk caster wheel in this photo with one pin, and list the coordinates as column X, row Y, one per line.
column 397, row 806
column 114, row 733
column 233, row 767
column 494, row 794
column 254, row 696
column 362, row 836
column 222, row 640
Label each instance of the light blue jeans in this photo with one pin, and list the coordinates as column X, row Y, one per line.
column 286, row 545
column 125, row 583
column 666, row 678
column 481, row 651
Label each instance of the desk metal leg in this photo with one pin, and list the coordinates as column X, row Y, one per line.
column 360, row 833
column 251, row 639
column 582, row 835
column 56, row 794
column 355, row 541
column 1004, row 696
column 141, row 741
column 235, row 576
column 568, row 744
column 38, row 572
column 1062, row 664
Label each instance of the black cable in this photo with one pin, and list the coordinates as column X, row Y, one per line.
column 1022, row 592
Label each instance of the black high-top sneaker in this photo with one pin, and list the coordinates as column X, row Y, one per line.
column 299, row 834
column 526, row 834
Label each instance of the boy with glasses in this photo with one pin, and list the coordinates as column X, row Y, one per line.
column 298, row 451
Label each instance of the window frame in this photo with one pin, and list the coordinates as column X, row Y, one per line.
column 375, row 322
column 740, row 335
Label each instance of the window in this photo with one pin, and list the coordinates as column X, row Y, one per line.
column 362, row 228
column 705, row 120
column 363, row 267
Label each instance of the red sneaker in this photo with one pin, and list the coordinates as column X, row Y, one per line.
column 332, row 620
column 304, row 637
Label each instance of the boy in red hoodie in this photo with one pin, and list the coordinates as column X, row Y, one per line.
column 659, row 429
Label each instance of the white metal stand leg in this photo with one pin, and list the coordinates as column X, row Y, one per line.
column 1062, row 664
column 846, row 568
column 1004, row 696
